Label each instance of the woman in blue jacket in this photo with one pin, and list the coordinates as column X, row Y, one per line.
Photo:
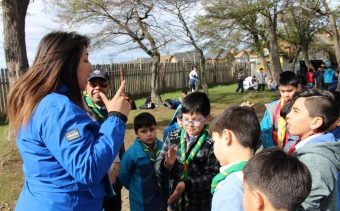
column 66, row 155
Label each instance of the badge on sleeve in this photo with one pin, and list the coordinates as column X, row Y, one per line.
column 72, row 135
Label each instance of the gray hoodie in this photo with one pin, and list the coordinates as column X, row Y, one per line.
column 322, row 157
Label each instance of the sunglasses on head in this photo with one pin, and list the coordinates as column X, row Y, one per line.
column 99, row 82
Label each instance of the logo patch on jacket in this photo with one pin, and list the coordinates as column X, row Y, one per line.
column 72, row 135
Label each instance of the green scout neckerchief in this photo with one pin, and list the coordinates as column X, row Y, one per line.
column 91, row 104
column 222, row 175
column 152, row 155
column 186, row 160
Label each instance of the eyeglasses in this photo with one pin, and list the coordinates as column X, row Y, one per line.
column 100, row 83
column 192, row 122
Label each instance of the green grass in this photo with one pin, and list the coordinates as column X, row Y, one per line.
column 11, row 177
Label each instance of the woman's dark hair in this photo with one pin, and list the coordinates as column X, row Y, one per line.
column 55, row 64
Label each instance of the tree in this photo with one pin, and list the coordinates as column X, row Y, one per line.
column 13, row 15
column 270, row 9
column 186, row 32
column 131, row 20
column 299, row 27
column 323, row 8
column 234, row 22
column 335, row 34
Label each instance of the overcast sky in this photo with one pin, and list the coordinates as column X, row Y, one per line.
column 39, row 23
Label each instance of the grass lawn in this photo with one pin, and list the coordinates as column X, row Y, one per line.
column 11, row 177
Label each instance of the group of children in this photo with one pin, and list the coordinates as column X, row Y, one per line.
column 204, row 165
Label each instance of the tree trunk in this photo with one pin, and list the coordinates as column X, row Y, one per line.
column 202, row 74
column 306, row 58
column 154, row 81
column 13, row 15
column 296, row 56
column 332, row 22
column 273, row 49
column 275, row 58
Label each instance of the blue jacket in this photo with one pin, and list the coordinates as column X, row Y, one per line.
column 66, row 156
column 138, row 175
column 328, row 76
column 267, row 126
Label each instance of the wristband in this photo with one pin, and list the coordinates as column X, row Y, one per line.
column 119, row 115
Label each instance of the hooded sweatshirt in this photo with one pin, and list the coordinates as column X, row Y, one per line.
column 321, row 155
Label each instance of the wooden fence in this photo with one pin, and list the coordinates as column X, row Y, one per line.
column 4, row 87
column 171, row 76
column 138, row 77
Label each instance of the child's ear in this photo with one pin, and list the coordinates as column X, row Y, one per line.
column 259, row 200
column 227, row 136
column 207, row 119
column 316, row 123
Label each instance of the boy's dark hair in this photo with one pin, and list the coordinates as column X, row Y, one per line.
column 284, row 179
column 196, row 102
column 286, row 108
column 336, row 95
column 319, row 103
column 287, row 78
column 144, row 119
column 243, row 122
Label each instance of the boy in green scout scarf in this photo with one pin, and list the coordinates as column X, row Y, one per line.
column 147, row 190
column 187, row 157
column 236, row 134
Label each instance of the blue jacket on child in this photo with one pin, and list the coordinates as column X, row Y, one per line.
column 139, row 176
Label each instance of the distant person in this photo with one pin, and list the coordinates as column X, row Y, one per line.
column 250, row 83
column 272, row 85
column 261, row 79
column 310, row 78
column 174, row 103
column 240, row 78
column 66, row 155
column 193, row 79
column 319, row 76
column 275, row 181
column 328, row 77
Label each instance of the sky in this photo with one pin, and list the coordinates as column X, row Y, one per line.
column 39, row 22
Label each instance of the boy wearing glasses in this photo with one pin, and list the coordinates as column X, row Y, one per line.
column 98, row 81
column 187, row 157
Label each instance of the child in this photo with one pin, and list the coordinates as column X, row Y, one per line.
column 234, row 145
column 187, row 157
column 240, row 78
column 312, row 113
column 273, row 180
column 147, row 190
column 310, row 78
column 193, row 79
column 273, row 126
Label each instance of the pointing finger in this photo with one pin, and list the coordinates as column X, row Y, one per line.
column 121, row 90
